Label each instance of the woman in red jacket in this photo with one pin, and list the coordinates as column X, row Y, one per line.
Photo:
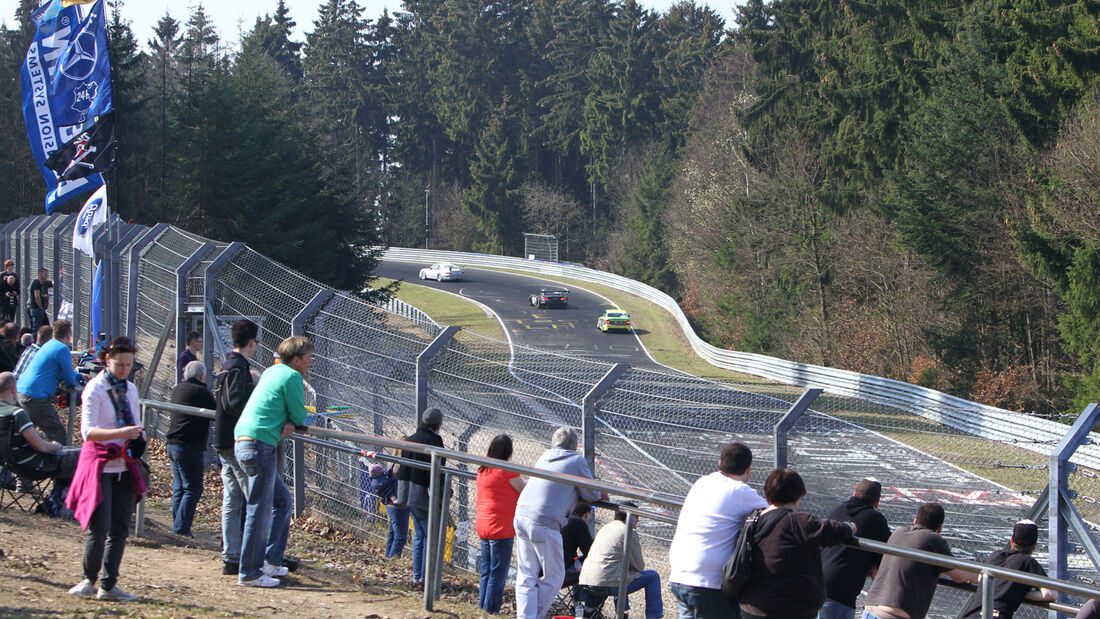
column 497, row 494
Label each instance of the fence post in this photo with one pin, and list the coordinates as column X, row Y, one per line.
column 139, row 510
column 588, row 412
column 422, row 362
column 149, row 236
column 114, row 278
column 430, row 539
column 77, row 254
column 62, row 282
column 624, row 570
column 785, row 424
column 209, row 278
column 182, row 273
column 1059, row 494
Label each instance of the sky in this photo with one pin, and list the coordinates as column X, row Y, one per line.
column 230, row 16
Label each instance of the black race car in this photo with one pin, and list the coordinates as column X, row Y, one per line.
column 550, row 297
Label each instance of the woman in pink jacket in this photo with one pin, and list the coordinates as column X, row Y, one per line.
column 107, row 481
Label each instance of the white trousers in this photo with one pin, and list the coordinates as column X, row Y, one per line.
column 538, row 547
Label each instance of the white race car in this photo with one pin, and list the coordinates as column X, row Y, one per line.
column 442, row 272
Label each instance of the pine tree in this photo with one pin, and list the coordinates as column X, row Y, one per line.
column 495, row 174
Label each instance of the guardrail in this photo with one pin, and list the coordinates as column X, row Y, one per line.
column 439, row 480
column 1031, row 433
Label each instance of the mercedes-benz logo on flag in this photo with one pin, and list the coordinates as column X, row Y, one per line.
column 88, row 215
column 82, row 61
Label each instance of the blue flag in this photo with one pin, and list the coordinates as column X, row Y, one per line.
column 97, row 301
column 66, row 82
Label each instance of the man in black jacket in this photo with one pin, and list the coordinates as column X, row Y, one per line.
column 9, row 347
column 187, row 436
column 413, row 484
column 846, row 569
column 233, row 387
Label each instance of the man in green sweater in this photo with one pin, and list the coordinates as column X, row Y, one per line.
column 276, row 408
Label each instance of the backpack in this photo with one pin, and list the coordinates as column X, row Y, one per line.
column 738, row 569
column 221, row 392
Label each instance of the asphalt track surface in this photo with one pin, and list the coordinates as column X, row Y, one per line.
column 665, row 428
column 571, row 330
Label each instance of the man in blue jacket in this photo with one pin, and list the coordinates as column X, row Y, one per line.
column 38, row 382
column 542, row 510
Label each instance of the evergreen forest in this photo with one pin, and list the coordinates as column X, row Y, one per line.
column 906, row 189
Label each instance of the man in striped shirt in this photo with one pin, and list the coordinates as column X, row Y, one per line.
column 45, row 334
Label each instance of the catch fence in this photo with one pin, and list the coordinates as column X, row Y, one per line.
column 646, row 427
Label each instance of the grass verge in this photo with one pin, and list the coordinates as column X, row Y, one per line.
column 448, row 309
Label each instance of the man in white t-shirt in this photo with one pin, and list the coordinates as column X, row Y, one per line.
column 706, row 533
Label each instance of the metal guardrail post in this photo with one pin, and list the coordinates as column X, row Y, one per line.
column 139, row 510
column 588, row 412
column 1060, row 468
column 209, row 279
column 986, row 587
column 72, row 416
column 149, row 236
column 422, row 362
column 430, row 539
column 624, row 570
column 298, row 324
column 299, row 475
column 441, row 538
column 182, row 273
column 785, row 424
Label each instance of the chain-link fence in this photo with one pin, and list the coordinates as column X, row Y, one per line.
column 653, row 428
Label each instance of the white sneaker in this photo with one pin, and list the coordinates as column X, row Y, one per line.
column 274, row 571
column 114, row 594
column 85, row 589
column 263, row 581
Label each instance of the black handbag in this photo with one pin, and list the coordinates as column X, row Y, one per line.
column 738, row 569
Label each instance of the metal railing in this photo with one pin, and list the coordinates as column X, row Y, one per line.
column 438, row 479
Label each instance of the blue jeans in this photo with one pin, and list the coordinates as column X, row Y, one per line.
column 649, row 580
column 833, row 609
column 187, row 467
column 234, row 483
column 496, row 556
column 267, row 514
column 420, row 534
column 399, row 530
column 703, row 603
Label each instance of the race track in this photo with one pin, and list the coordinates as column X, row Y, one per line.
column 571, row 330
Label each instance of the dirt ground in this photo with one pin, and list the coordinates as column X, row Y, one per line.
column 340, row 576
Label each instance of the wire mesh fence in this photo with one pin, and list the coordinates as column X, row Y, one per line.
column 655, row 428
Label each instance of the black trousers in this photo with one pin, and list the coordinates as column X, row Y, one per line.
column 105, row 539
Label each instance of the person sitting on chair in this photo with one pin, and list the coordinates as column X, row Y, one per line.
column 31, row 452
column 602, row 567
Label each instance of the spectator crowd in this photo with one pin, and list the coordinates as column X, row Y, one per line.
column 797, row 565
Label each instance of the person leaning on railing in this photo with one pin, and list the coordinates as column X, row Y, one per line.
column 1008, row 595
column 786, row 553
column 542, row 510
column 108, row 480
column 187, row 439
column 275, row 409
column 903, row 588
column 706, row 532
column 846, row 569
column 413, row 485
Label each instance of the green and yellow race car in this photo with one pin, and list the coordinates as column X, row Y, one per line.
column 613, row 320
